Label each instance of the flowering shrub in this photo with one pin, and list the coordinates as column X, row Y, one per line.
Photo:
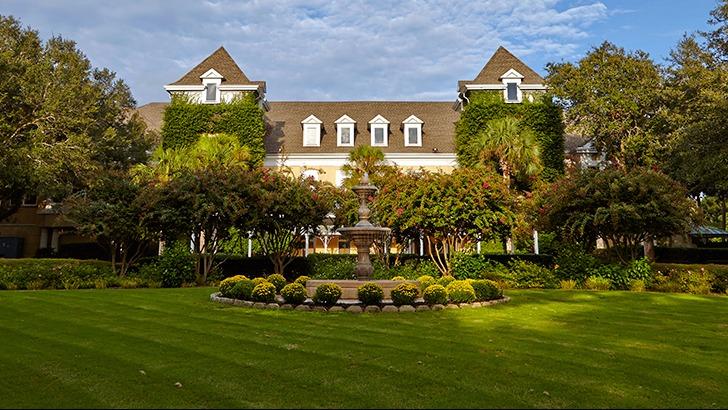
column 227, row 284
column 370, row 293
column 445, row 280
column 294, row 293
column 277, row 280
column 426, row 281
column 302, row 280
column 404, row 294
column 327, row 294
column 264, row 292
column 435, row 295
column 460, row 291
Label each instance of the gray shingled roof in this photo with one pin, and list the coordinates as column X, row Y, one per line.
column 498, row 64
column 223, row 63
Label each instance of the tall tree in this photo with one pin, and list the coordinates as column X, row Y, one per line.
column 511, row 145
column 612, row 96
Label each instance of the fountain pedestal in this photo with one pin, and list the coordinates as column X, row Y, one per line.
column 363, row 234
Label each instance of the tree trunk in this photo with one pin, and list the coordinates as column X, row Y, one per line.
column 723, row 211
column 649, row 248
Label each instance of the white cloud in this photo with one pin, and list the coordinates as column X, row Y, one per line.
column 314, row 50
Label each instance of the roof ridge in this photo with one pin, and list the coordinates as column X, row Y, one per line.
column 221, row 61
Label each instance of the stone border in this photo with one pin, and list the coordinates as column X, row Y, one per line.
column 215, row 297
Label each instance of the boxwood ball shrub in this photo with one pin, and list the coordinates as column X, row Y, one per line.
column 597, row 283
column 264, row 292
column 486, row 289
column 370, row 293
column 277, row 280
column 302, row 280
column 294, row 293
column 242, row 290
column 327, row 294
column 435, row 295
column 404, row 294
column 460, row 291
column 227, row 284
column 426, row 281
column 445, row 280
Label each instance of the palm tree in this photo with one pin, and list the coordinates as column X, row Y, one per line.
column 512, row 145
column 363, row 159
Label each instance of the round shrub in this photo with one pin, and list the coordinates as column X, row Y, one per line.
column 398, row 278
column 370, row 294
column 258, row 281
column 242, row 290
column 486, row 289
column 445, row 280
column 302, row 280
column 460, row 291
column 435, row 295
column 404, row 294
column 227, row 284
column 426, row 281
column 294, row 293
column 277, row 280
column 327, row 294
column 264, row 292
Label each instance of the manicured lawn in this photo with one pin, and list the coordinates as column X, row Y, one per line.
column 128, row 348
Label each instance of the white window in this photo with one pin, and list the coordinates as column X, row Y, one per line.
column 380, row 131
column 211, row 92
column 345, row 131
column 311, row 173
column 511, row 83
column 412, row 131
column 211, row 81
column 311, row 131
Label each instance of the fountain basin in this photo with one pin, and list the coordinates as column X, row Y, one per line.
column 349, row 287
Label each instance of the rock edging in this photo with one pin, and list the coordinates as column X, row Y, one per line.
column 216, row 297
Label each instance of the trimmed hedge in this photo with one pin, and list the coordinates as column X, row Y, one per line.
column 490, row 266
column 56, row 274
column 542, row 116
column 185, row 121
column 691, row 255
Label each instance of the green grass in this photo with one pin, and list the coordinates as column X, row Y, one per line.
column 88, row 348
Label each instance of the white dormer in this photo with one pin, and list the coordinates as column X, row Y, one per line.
column 211, row 81
column 379, row 127
column 311, row 131
column 345, row 131
column 412, row 131
column 512, row 86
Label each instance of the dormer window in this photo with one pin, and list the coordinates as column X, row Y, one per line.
column 412, row 131
column 345, row 131
column 512, row 81
column 311, row 131
column 211, row 81
column 379, row 127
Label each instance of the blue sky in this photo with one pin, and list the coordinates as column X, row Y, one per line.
column 355, row 50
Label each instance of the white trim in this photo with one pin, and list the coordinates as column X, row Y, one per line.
column 519, row 93
column 476, row 87
column 211, row 74
column 339, row 130
column 234, row 87
column 417, row 127
column 511, row 74
column 216, row 82
column 379, row 120
column 170, row 88
column 224, row 87
column 312, row 119
column 385, row 134
column 413, row 120
column 345, row 119
column 403, row 159
column 316, row 128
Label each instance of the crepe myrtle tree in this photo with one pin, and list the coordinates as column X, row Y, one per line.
column 289, row 207
column 451, row 211
column 624, row 208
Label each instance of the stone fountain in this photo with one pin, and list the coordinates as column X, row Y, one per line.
column 363, row 234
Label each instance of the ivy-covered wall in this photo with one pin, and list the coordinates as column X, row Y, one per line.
column 541, row 115
column 184, row 121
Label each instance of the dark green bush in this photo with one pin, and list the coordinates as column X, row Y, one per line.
column 460, row 291
column 525, row 275
column 404, row 294
column 445, row 280
column 327, row 294
column 294, row 293
column 302, row 280
column 616, row 275
column 277, row 280
column 435, row 295
column 486, row 289
column 264, row 292
column 683, row 274
column 227, row 285
column 426, row 281
column 573, row 263
column 242, row 290
column 176, row 266
column 326, row 266
column 370, row 293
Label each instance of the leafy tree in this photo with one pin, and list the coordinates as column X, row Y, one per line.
column 718, row 37
column 61, row 120
column 612, row 96
column 366, row 159
column 288, row 208
column 513, row 146
column 625, row 208
column 450, row 210
column 112, row 211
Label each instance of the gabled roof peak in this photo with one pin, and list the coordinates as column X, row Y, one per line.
column 502, row 63
column 221, row 62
